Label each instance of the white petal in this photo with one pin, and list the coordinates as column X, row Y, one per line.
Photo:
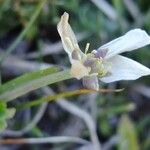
column 132, row 40
column 78, row 70
column 124, row 68
column 67, row 35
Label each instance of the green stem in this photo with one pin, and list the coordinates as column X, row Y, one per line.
column 62, row 95
column 21, row 86
column 53, row 98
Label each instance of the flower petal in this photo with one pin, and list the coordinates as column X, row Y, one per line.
column 67, row 35
column 132, row 40
column 124, row 68
column 78, row 70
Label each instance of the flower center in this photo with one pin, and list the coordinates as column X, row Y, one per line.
column 96, row 65
column 93, row 63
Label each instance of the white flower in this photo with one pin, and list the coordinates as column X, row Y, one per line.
column 104, row 63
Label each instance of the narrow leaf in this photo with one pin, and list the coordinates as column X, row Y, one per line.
column 31, row 81
column 5, row 113
column 127, row 135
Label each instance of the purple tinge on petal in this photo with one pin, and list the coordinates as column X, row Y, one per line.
column 89, row 62
column 75, row 55
column 101, row 53
column 90, row 82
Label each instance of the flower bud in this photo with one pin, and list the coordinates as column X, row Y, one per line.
column 91, row 82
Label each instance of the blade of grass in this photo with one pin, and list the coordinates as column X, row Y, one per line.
column 27, row 77
column 127, row 133
column 31, row 81
column 62, row 95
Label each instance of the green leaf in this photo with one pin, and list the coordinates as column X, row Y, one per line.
column 3, row 125
column 127, row 135
column 28, row 77
column 104, row 126
column 10, row 113
column 5, row 113
column 3, row 108
column 31, row 81
column 119, row 7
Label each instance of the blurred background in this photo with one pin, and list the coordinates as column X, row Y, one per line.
column 111, row 121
